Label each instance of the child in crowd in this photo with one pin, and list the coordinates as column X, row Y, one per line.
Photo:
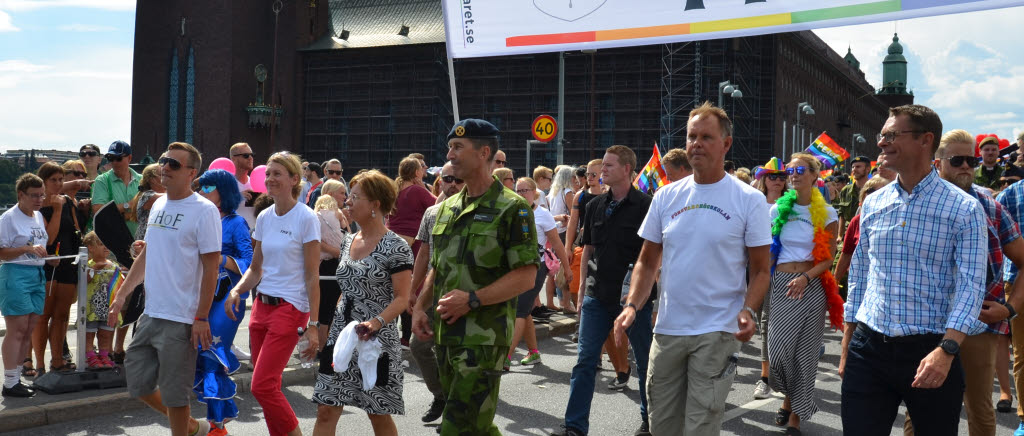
column 105, row 277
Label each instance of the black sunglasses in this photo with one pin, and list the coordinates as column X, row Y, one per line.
column 89, row 153
column 245, row 155
column 79, row 173
column 956, row 161
column 451, row 179
column 1004, row 182
column 334, row 173
column 171, row 162
column 499, row 162
column 114, row 158
column 776, row 176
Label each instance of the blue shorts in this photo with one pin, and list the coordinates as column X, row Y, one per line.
column 22, row 289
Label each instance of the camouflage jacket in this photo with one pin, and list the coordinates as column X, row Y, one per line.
column 476, row 242
column 848, row 201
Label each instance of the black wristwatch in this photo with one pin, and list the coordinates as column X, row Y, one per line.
column 474, row 302
column 1013, row 312
column 950, row 346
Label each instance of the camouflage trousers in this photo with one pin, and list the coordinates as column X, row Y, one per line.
column 470, row 376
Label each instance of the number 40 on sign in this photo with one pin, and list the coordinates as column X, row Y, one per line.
column 544, row 128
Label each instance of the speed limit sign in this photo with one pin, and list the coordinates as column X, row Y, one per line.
column 544, row 128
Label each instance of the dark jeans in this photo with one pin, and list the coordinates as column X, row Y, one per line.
column 596, row 321
column 879, row 371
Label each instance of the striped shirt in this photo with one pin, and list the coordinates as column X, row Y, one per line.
column 1002, row 230
column 920, row 265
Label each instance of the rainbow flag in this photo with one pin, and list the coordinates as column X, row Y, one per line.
column 826, row 173
column 115, row 284
column 652, row 176
column 828, row 151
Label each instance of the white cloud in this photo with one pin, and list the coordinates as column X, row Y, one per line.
column 67, row 103
column 5, row 23
column 29, row 5
column 997, row 117
column 86, row 28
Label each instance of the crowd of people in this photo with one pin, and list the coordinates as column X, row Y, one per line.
column 453, row 271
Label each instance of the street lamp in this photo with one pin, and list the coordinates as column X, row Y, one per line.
column 806, row 108
column 730, row 89
column 856, row 139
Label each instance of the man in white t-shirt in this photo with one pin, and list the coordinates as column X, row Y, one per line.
column 180, row 258
column 707, row 229
column 242, row 157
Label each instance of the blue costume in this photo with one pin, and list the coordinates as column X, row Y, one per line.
column 213, row 384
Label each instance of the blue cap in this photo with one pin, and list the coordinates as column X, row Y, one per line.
column 473, row 128
column 119, row 148
column 861, row 159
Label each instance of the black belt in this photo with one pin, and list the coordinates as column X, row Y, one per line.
column 266, row 299
column 926, row 337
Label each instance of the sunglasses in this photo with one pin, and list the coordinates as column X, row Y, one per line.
column 334, row 173
column 451, row 179
column 499, row 162
column 956, row 161
column 777, row 176
column 798, row 170
column 869, row 191
column 113, row 158
column 244, row 155
column 88, row 153
column 591, row 174
column 522, row 191
column 206, row 189
column 1004, row 182
column 171, row 162
column 79, row 173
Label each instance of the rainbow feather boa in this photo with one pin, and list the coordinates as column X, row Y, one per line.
column 819, row 215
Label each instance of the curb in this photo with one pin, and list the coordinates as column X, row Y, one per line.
column 69, row 410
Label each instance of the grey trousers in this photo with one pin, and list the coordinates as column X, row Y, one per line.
column 423, row 354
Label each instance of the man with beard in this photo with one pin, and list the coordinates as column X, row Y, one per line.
column 989, row 173
column 849, row 195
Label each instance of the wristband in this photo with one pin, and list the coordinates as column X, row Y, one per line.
column 380, row 319
column 630, row 305
column 806, row 277
column 202, row 319
column 753, row 315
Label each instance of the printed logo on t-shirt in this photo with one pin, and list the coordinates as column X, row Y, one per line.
column 37, row 234
column 702, row 206
column 801, row 219
column 286, row 232
column 165, row 220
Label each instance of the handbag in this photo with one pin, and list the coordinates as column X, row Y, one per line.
column 551, row 262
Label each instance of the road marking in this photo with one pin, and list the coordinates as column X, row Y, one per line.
column 753, row 405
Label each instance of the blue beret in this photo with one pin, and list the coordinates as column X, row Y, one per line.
column 473, row 128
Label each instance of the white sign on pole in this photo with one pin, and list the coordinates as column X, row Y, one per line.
column 495, row 28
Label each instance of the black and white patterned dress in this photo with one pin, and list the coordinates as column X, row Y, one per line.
column 366, row 289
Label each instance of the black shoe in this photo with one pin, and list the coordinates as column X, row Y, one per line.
column 19, row 390
column 575, row 338
column 568, row 431
column 436, row 408
column 644, row 430
column 620, row 381
column 537, row 312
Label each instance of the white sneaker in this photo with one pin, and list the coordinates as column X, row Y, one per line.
column 241, row 355
column 762, row 390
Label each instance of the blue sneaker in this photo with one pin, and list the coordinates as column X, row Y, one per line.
column 1020, row 430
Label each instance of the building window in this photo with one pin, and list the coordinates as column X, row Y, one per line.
column 172, row 100
column 190, row 95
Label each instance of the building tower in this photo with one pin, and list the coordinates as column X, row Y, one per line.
column 894, row 77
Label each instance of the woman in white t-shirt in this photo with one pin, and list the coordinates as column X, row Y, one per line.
column 801, row 284
column 286, row 264
column 546, row 234
column 23, row 240
column 559, row 201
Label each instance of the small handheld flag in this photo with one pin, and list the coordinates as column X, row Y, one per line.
column 828, row 151
column 652, row 176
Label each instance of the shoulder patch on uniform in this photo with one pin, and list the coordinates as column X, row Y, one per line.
column 524, row 212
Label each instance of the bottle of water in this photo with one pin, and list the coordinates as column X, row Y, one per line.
column 301, row 348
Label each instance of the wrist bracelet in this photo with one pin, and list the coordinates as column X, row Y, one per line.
column 380, row 319
column 202, row 319
column 753, row 315
column 807, row 277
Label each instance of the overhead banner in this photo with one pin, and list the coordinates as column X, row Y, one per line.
column 506, row 27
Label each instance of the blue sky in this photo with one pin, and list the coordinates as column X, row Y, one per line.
column 66, row 66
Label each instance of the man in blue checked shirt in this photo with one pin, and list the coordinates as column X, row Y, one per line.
column 916, row 286
column 1012, row 198
column 955, row 161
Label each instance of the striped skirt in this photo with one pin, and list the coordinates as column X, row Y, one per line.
column 795, row 332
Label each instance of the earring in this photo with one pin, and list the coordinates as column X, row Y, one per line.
column 373, row 214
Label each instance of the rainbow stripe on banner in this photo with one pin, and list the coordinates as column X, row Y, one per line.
column 652, row 176
column 828, row 151
column 115, row 284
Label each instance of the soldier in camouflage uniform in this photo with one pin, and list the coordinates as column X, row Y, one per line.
column 485, row 254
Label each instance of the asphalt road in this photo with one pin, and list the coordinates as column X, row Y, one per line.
column 532, row 402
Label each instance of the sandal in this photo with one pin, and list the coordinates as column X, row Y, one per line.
column 27, row 370
column 782, row 417
column 94, row 361
column 62, row 368
column 118, row 357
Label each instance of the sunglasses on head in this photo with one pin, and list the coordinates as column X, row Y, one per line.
column 776, row 176
column 334, row 173
column 797, row 170
column 171, row 162
column 114, row 158
column 244, row 155
column 206, row 189
column 956, row 161
column 451, row 179
column 89, row 153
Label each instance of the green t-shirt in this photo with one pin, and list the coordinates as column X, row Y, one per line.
column 108, row 187
column 476, row 241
